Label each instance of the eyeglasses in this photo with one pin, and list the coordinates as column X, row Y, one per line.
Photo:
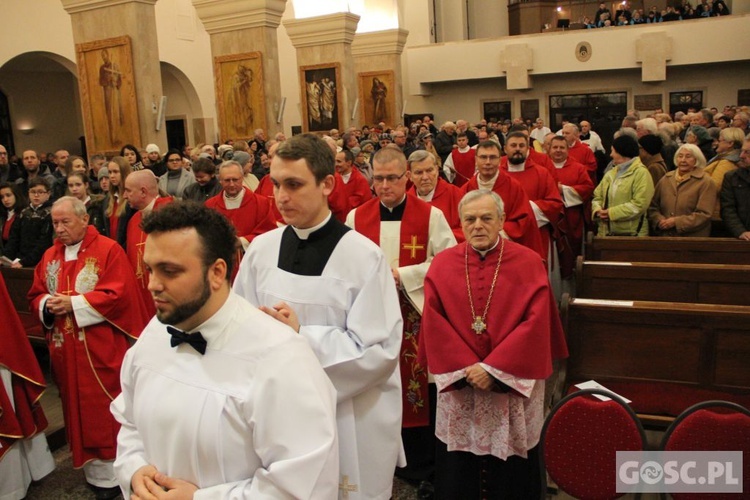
column 488, row 157
column 3, row 153
column 390, row 179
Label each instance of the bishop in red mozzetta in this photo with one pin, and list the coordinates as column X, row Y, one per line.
column 490, row 331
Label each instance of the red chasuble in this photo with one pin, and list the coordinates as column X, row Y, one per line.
column 523, row 331
column 541, row 188
column 414, row 237
column 465, row 165
column 357, row 190
column 86, row 361
column 540, row 159
column 27, row 380
column 575, row 175
column 581, row 152
column 446, row 198
column 520, row 223
column 136, row 240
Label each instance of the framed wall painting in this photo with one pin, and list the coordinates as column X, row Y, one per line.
column 377, row 97
column 240, row 95
column 320, row 99
column 108, row 97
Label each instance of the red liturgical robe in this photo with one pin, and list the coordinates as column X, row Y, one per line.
column 542, row 190
column 27, row 380
column 581, row 152
column 465, row 165
column 136, row 240
column 265, row 188
column 86, row 359
column 523, row 330
column 253, row 217
column 520, row 222
column 574, row 176
column 357, row 189
column 413, row 249
column 446, row 198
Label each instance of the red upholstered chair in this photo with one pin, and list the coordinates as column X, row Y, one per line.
column 579, row 441
column 711, row 426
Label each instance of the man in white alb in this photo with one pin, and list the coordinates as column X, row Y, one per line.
column 335, row 288
column 218, row 400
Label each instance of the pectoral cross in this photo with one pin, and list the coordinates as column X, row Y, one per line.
column 413, row 247
column 347, row 488
column 68, row 328
column 479, row 325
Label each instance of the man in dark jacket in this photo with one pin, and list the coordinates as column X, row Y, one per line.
column 735, row 197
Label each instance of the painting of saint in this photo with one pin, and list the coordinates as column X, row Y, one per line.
column 240, row 102
column 378, row 93
column 240, row 94
column 320, row 97
column 110, row 79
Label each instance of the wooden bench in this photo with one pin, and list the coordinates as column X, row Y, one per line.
column 664, row 356
column 653, row 249
column 677, row 282
column 19, row 283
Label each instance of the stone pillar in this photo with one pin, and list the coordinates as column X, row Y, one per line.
column 97, row 20
column 245, row 31
column 323, row 43
column 377, row 55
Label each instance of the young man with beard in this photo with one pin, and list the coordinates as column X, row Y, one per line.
column 234, row 404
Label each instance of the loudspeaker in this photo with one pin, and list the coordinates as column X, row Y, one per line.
column 160, row 114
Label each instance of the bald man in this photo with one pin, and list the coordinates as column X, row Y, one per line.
column 142, row 195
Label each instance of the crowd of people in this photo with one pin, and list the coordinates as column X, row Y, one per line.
column 382, row 247
column 625, row 16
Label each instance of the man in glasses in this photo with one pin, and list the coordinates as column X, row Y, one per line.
column 410, row 232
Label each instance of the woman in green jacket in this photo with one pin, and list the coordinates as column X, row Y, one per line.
column 624, row 194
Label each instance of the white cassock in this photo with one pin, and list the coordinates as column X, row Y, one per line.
column 412, row 277
column 349, row 312
column 27, row 460
column 252, row 418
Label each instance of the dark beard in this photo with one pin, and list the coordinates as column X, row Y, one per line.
column 187, row 309
column 516, row 159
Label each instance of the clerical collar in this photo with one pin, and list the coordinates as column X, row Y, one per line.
column 483, row 253
column 489, row 184
column 305, row 233
column 428, row 197
column 517, row 168
column 559, row 165
column 393, row 214
column 71, row 251
column 148, row 208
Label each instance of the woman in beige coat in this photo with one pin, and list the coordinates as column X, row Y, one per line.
column 684, row 199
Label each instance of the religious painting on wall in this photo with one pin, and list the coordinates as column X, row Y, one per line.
column 377, row 97
column 108, row 98
column 320, row 97
column 240, row 95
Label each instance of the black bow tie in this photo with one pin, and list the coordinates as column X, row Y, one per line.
column 194, row 339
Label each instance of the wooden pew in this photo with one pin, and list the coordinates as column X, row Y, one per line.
column 677, row 282
column 19, row 282
column 664, row 356
column 653, row 249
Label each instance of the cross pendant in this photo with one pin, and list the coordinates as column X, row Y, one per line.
column 479, row 325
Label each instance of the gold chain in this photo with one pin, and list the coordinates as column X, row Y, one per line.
column 479, row 324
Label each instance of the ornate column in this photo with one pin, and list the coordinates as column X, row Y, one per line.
column 324, row 57
column 244, row 46
column 377, row 62
column 118, row 72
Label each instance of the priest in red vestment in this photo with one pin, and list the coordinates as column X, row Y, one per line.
column 24, row 453
column 83, row 292
column 580, row 151
column 460, row 165
column 410, row 232
column 250, row 214
column 520, row 222
column 490, row 331
column 428, row 186
column 142, row 195
column 541, row 189
column 576, row 189
column 355, row 184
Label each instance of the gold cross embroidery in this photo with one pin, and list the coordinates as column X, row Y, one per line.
column 347, row 488
column 139, row 260
column 413, row 247
column 68, row 325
